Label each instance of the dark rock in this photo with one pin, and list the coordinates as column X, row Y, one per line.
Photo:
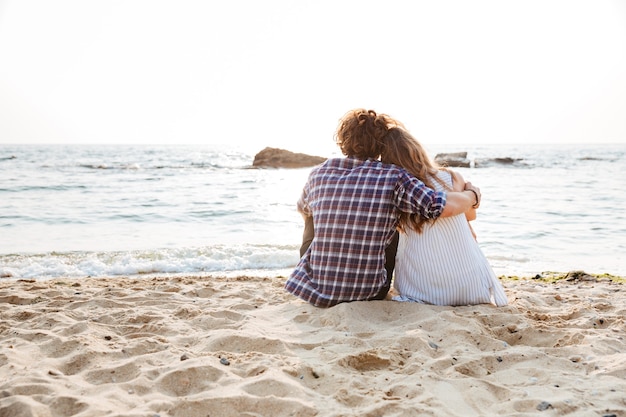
column 543, row 406
column 453, row 159
column 578, row 276
column 280, row 158
column 507, row 160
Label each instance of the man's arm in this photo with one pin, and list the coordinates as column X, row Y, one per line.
column 460, row 202
column 458, row 184
column 307, row 235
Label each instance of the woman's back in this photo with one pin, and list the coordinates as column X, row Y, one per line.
column 444, row 265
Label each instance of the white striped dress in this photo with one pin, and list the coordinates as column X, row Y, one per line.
column 444, row 265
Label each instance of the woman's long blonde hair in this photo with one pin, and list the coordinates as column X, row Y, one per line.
column 402, row 149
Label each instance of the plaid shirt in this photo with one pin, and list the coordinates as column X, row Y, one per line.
column 355, row 206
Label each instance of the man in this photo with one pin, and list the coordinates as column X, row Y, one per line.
column 355, row 204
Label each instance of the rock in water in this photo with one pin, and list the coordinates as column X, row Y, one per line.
column 281, row 158
column 453, row 159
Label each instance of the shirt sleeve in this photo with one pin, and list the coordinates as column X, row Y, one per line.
column 412, row 196
column 303, row 202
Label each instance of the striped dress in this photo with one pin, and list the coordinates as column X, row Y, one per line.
column 444, row 265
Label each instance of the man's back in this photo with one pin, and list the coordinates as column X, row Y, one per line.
column 355, row 206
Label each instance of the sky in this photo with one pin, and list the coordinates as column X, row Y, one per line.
column 282, row 72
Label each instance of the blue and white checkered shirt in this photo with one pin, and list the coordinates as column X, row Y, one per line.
column 355, row 206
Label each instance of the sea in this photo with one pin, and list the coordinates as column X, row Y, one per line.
column 137, row 210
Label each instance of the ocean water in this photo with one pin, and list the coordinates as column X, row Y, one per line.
column 77, row 211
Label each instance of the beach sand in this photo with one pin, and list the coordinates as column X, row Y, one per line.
column 242, row 346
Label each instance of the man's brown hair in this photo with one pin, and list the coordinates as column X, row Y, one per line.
column 361, row 132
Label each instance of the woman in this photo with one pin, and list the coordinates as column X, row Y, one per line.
column 438, row 261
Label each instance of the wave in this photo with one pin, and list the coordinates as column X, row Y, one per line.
column 218, row 258
column 137, row 166
column 26, row 188
column 131, row 166
column 597, row 158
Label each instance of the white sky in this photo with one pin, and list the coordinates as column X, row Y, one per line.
column 282, row 72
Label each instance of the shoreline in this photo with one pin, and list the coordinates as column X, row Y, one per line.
column 544, row 276
column 577, row 275
column 209, row 345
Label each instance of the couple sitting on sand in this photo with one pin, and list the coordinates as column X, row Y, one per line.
column 354, row 207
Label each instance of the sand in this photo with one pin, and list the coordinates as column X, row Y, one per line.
column 241, row 346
